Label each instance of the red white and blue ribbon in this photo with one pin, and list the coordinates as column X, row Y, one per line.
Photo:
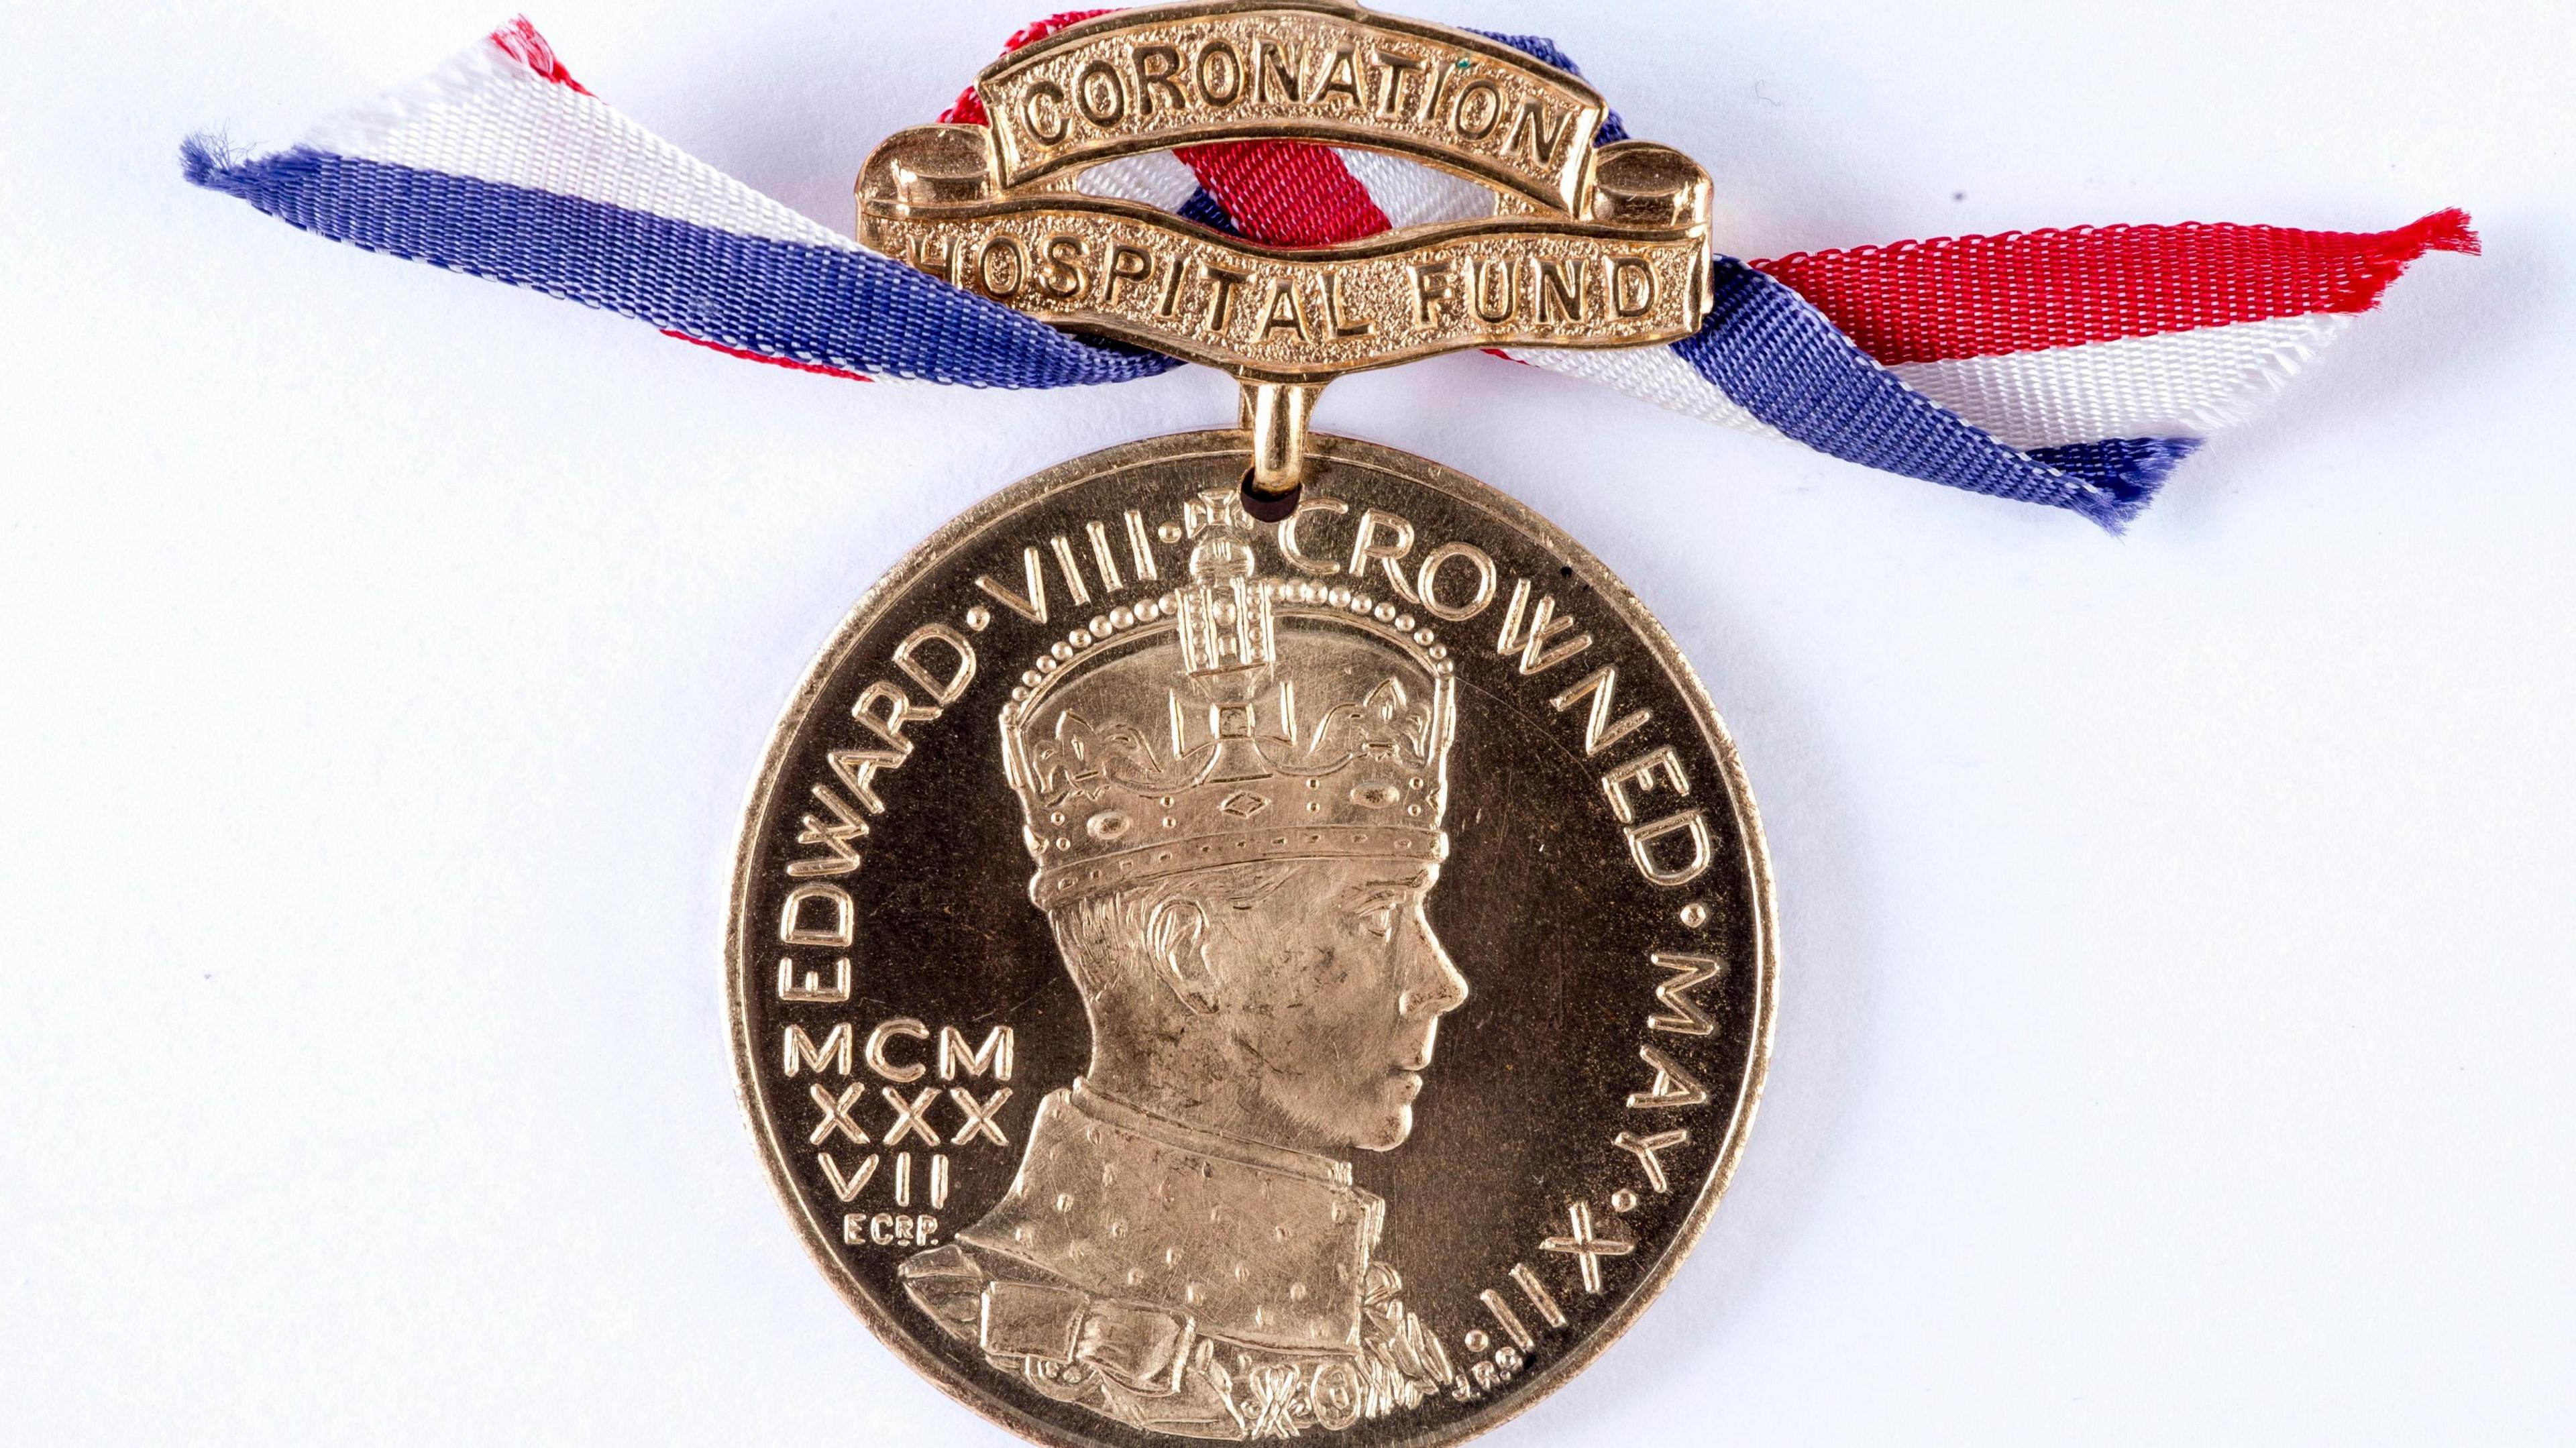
column 2073, row 367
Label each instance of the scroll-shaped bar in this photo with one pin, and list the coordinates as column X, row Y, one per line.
column 1313, row 70
column 1630, row 269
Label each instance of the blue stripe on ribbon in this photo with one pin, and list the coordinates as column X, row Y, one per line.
column 1778, row 357
column 1544, row 51
column 2130, row 468
column 1763, row 345
column 1209, row 212
column 832, row 308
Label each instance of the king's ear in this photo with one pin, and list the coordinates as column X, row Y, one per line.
column 1178, row 935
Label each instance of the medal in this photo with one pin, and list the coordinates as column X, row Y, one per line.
column 1253, row 933
column 1143, row 1072
column 1304, row 748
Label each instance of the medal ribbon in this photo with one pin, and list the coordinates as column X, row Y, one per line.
column 2073, row 368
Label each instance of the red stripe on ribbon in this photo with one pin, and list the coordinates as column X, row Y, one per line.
column 1913, row 301
column 1286, row 193
column 788, row 362
column 1983, row 296
column 520, row 41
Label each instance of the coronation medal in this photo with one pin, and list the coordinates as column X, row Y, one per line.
column 1252, row 934
column 1297, row 980
column 1312, row 965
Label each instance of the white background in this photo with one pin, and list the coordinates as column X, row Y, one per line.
column 2175, row 1044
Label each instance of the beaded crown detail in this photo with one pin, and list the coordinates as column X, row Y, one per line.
column 1235, row 719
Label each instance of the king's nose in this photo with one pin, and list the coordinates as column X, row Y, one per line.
column 1433, row 986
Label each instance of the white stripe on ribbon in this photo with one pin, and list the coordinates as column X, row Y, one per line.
column 1409, row 193
column 1156, row 179
column 1656, row 374
column 486, row 116
column 2179, row 384
column 1412, row 194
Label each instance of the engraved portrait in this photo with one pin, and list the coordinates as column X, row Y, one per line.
column 1233, row 799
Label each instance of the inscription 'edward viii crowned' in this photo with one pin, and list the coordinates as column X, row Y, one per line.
column 1225, row 763
column 1452, row 582
column 1228, row 700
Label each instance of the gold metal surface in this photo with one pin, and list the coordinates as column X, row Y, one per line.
column 1605, row 247
column 1118, row 269
column 1156, row 77
column 1201, row 979
column 1276, row 414
column 1283, row 857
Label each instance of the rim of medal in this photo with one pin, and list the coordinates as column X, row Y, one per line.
column 884, row 1322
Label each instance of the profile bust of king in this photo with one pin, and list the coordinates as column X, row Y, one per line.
column 1233, row 795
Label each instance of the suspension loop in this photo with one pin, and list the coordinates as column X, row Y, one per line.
column 1276, row 414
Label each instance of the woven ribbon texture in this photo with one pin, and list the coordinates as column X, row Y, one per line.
column 2074, row 368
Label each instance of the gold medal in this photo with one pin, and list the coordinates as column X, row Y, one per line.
column 1252, row 933
column 1219, row 979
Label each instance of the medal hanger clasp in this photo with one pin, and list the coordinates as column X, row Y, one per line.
column 1588, row 246
column 1276, row 414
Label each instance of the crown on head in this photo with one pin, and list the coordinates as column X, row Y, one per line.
column 1236, row 719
